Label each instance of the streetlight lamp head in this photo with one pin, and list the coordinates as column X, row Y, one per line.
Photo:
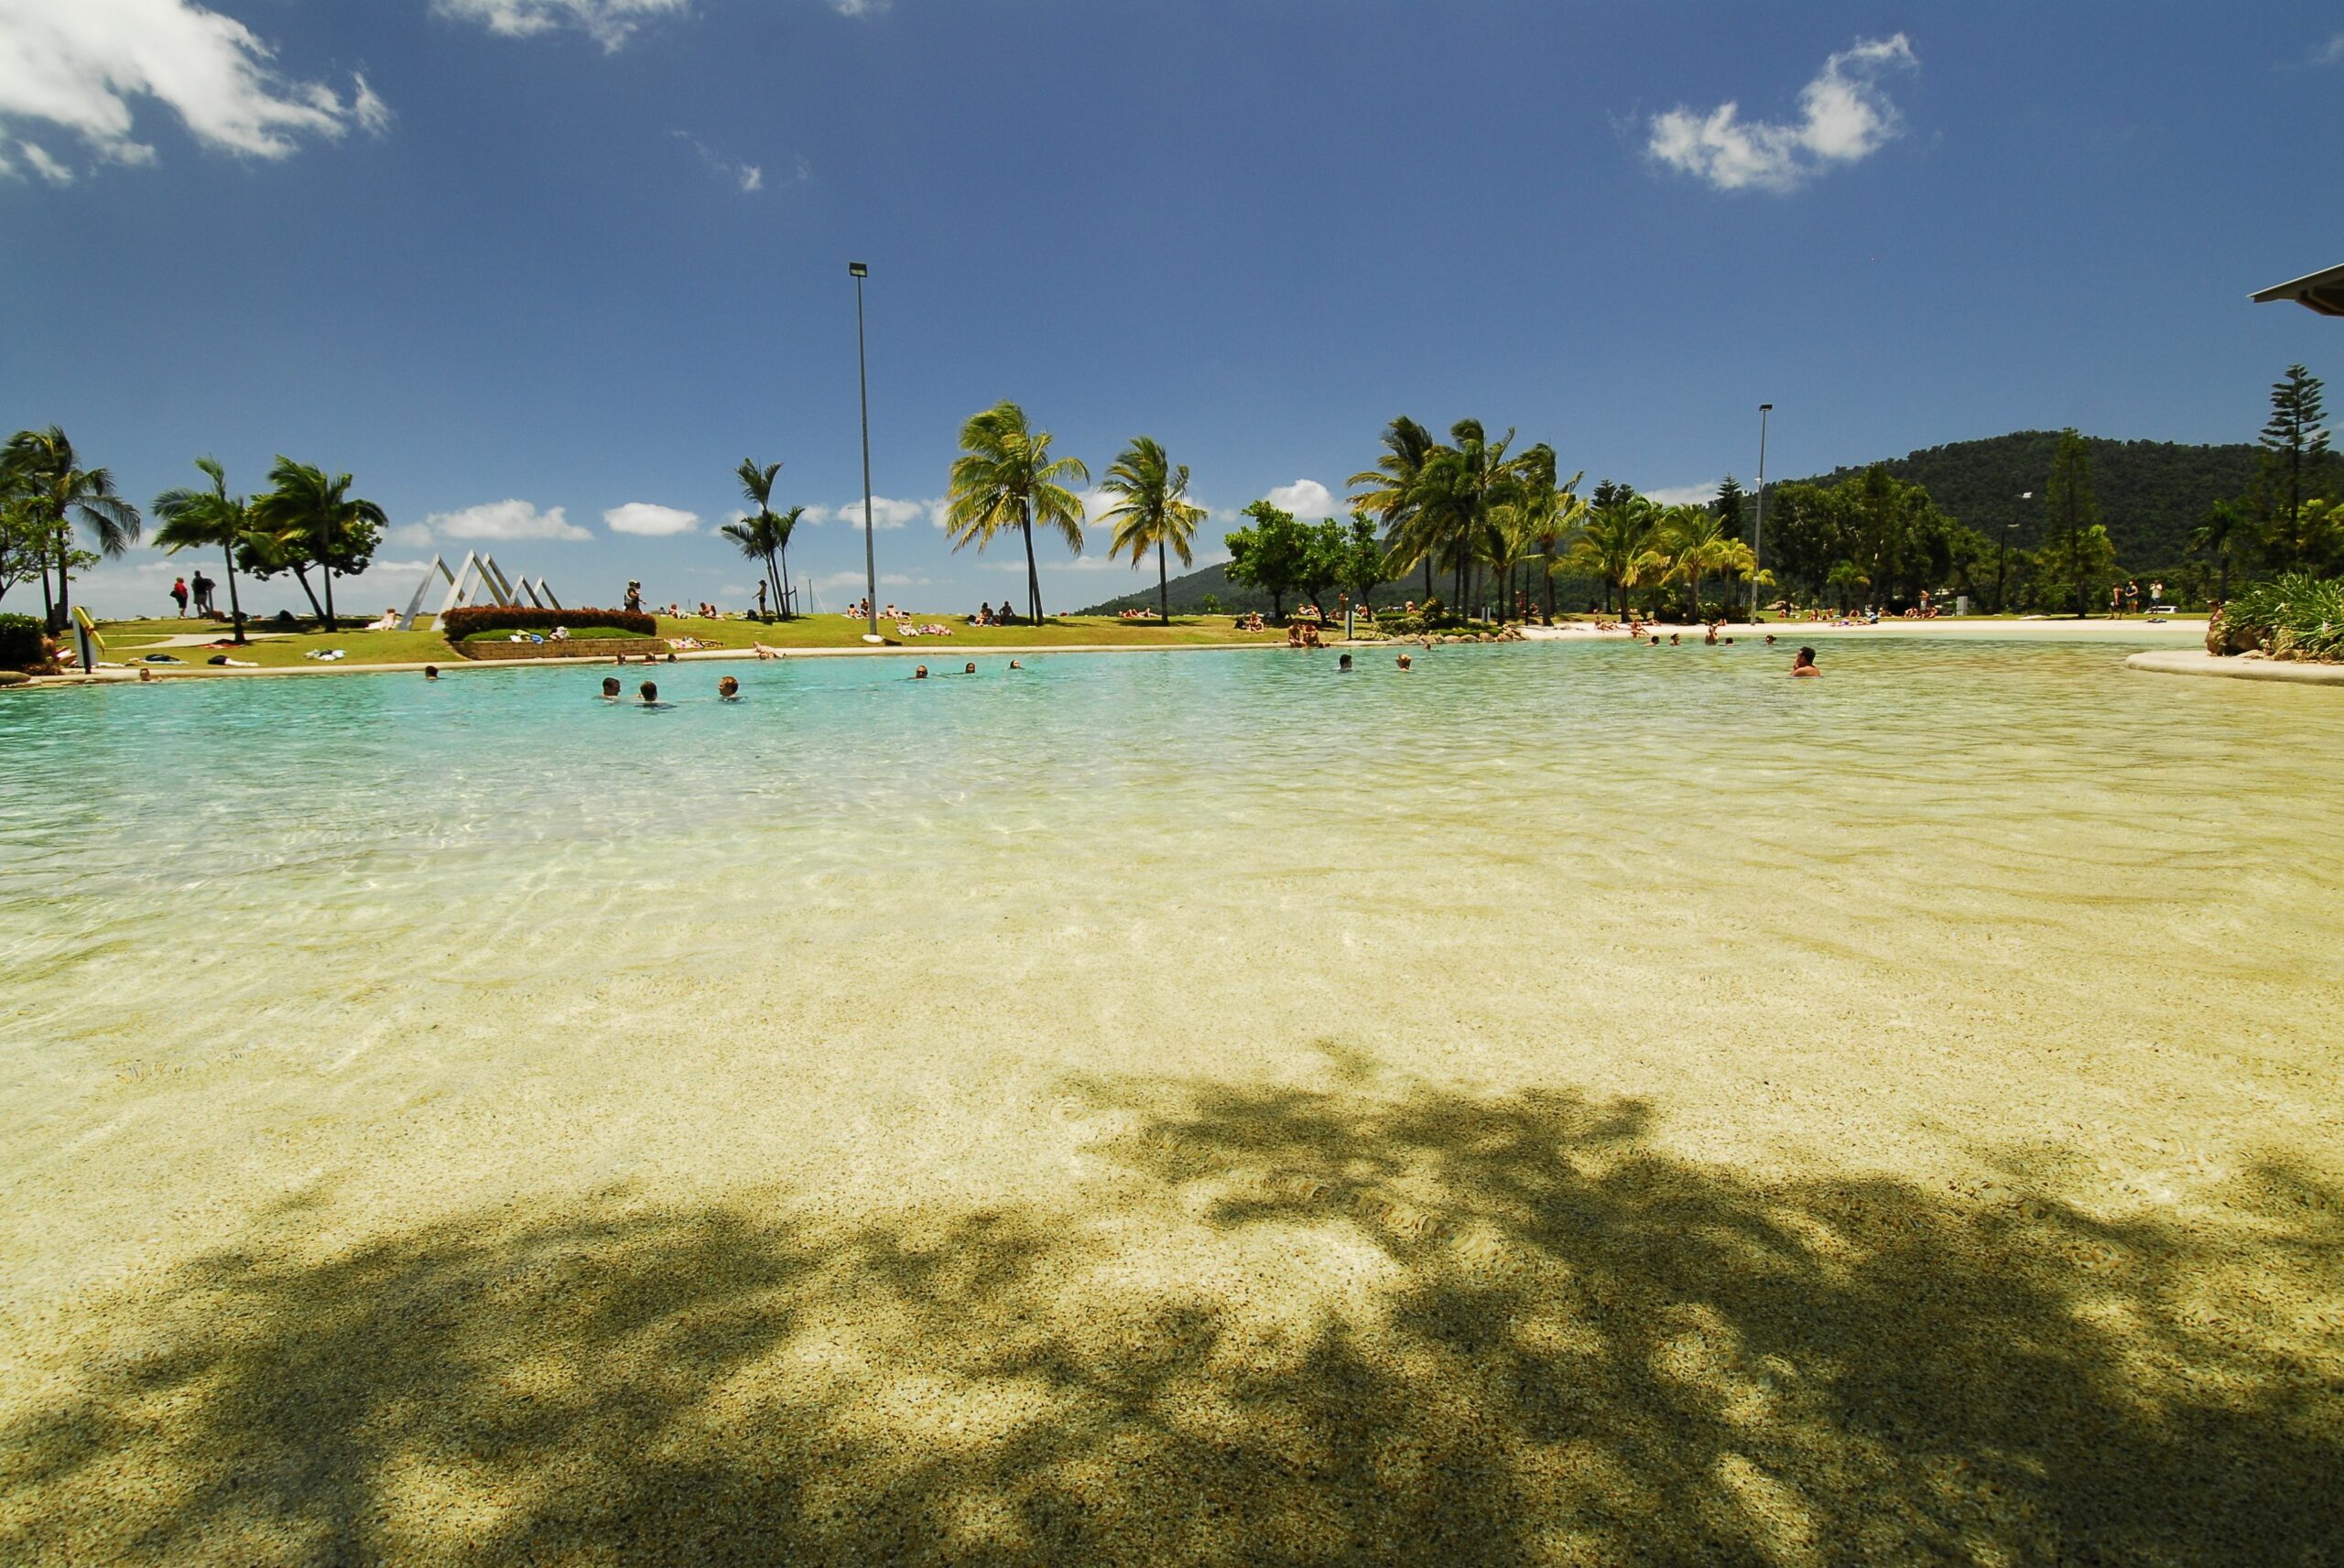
column 856, row 269
column 1765, row 408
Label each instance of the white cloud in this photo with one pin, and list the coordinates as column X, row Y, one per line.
column 609, row 23
column 749, row 176
column 1308, row 500
column 411, row 535
column 504, row 520
column 1682, row 494
column 2329, row 54
column 886, row 512
column 654, row 522
column 1844, row 116
column 860, row 7
column 78, row 64
column 366, row 107
column 395, row 569
column 48, row 168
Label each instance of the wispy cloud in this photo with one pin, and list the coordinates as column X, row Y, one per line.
column 749, row 176
column 609, row 23
column 2329, row 54
column 1844, row 116
column 80, row 65
column 504, row 520
column 641, row 517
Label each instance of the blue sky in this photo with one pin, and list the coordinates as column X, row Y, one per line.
column 533, row 268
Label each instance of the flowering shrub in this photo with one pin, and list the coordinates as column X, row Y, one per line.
column 458, row 624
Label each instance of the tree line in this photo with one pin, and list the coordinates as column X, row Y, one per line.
column 50, row 500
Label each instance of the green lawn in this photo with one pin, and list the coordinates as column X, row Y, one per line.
column 126, row 640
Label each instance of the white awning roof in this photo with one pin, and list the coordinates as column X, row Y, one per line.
column 2322, row 291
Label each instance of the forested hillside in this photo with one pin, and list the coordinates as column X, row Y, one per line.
column 2151, row 492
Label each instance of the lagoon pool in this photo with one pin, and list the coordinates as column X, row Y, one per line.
column 1183, row 1105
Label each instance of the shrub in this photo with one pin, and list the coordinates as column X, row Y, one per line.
column 2292, row 617
column 461, row 623
column 20, row 642
column 1210, row 604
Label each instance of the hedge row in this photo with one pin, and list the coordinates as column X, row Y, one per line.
column 462, row 623
column 20, row 642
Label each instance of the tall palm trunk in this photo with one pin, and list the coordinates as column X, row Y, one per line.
column 786, row 612
column 48, row 602
column 235, row 608
column 1163, row 584
column 65, row 576
column 301, row 576
column 1033, row 575
column 328, row 570
column 1548, row 553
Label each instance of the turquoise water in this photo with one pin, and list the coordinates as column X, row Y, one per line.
column 250, row 929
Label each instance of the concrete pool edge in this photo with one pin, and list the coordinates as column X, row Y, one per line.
column 2197, row 661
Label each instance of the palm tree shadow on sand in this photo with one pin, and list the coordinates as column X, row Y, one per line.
column 1553, row 1343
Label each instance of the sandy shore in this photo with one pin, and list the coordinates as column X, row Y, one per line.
column 2197, row 661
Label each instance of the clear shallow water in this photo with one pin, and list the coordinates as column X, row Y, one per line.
column 1566, row 1104
column 418, row 942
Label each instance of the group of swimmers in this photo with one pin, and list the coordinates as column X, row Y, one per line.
column 728, row 689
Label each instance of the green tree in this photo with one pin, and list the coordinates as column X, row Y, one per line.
column 55, row 493
column 1694, row 540
column 1006, row 478
column 2226, row 526
column 1389, row 491
column 2072, row 566
column 1151, row 512
column 1729, row 506
column 1326, row 553
column 24, row 546
column 207, row 519
column 1367, row 566
column 2072, row 513
column 1846, row 580
column 768, row 534
column 1618, row 541
column 1269, row 555
column 319, row 522
column 2294, row 440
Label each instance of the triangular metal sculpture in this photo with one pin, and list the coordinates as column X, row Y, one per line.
column 480, row 580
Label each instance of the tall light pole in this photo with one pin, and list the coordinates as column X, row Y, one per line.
column 2002, row 556
column 1758, row 529
column 857, row 271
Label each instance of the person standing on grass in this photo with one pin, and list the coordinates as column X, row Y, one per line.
column 202, row 587
column 179, row 594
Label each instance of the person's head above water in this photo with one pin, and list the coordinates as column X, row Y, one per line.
column 431, row 672
column 1015, row 666
column 1804, row 664
column 969, row 668
column 650, row 691
column 609, row 685
column 1344, row 663
column 1405, row 663
column 920, row 674
column 728, row 688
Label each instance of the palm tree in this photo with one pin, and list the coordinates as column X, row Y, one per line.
column 1845, row 579
column 1154, row 512
column 772, row 529
column 1615, row 543
column 202, row 518
column 317, row 517
column 59, row 492
column 1006, row 478
column 1547, row 514
column 1389, row 490
column 2221, row 530
column 1694, row 540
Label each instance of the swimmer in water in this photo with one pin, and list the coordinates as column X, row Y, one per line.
column 969, row 668
column 431, row 672
column 609, row 689
column 650, row 690
column 1015, row 666
column 920, row 674
column 1406, row 663
column 1344, row 663
column 1805, row 664
column 728, row 690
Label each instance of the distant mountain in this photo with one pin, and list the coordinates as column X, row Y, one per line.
column 2151, row 493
